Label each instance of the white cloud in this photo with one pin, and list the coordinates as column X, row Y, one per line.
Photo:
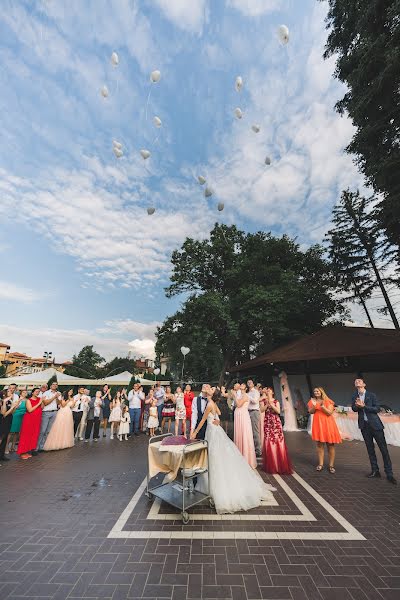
column 185, row 14
column 15, row 293
column 109, row 342
column 255, row 8
column 143, row 348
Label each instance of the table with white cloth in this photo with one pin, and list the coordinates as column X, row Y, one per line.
column 348, row 426
column 191, row 458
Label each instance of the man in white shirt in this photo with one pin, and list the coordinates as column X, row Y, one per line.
column 50, row 400
column 159, row 393
column 81, row 403
column 135, row 398
column 12, row 389
column 254, row 412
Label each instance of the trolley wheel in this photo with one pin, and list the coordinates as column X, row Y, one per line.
column 149, row 495
column 185, row 518
column 211, row 503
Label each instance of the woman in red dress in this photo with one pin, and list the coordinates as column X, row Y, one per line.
column 188, row 397
column 275, row 453
column 30, row 428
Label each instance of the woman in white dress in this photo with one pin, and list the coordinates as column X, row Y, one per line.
column 115, row 416
column 234, row 485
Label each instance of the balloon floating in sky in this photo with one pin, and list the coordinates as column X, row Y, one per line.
column 256, row 128
column 151, row 211
column 238, row 113
column 283, row 34
column 117, row 145
column 157, row 121
column 238, row 83
column 201, row 179
column 221, row 206
column 155, row 76
column 267, row 160
column 114, row 59
column 104, row 91
column 145, row 154
column 118, row 152
column 208, row 192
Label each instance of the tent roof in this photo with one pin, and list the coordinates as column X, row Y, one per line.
column 43, row 376
column 119, row 379
column 331, row 342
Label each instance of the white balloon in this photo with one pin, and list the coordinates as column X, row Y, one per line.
column 115, row 59
column 283, row 34
column 238, row 113
column 104, row 91
column 201, row 179
column 157, row 121
column 118, row 152
column 185, row 350
column 238, row 83
column 145, row 154
column 256, row 128
column 151, row 211
column 221, row 206
column 267, row 160
column 156, row 371
column 155, row 76
column 208, row 192
column 117, row 145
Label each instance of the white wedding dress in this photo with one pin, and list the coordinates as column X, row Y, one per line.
column 234, row 485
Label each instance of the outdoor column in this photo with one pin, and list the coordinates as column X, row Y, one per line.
column 287, row 404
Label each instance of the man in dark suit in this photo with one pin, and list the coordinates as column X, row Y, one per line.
column 367, row 406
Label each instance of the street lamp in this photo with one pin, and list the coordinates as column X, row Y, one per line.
column 47, row 357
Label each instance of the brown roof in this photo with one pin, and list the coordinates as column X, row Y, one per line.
column 18, row 355
column 331, row 342
column 4, row 345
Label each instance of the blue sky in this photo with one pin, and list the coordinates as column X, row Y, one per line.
column 82, row 260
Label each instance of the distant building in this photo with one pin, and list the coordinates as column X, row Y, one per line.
column 17, row 363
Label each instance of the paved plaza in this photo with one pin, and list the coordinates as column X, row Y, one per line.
column 76, row 524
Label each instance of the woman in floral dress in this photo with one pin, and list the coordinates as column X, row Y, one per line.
column 275, row 453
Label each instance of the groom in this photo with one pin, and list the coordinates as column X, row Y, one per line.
column 199, row 405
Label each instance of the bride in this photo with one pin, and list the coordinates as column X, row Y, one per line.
column 234, row 485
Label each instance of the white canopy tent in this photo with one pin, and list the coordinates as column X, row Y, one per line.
column 43, row 376
column 121, row 379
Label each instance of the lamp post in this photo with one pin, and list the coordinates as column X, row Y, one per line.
column 47, row 357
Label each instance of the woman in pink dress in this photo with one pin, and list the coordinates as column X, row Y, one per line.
column 243, row 432
column 275, row 453
column 62, row 433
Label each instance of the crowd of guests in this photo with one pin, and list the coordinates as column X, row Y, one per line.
column 46, row 420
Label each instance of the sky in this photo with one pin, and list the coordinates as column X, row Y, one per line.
column 82, row 261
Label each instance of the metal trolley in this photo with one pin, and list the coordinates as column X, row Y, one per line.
column 180, row 492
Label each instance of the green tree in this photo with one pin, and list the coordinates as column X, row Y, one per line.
column 365, row 38
column 247, row 293
column 87, row 363
column 358, row 253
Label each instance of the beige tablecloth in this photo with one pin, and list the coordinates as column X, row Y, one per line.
column 168, row 459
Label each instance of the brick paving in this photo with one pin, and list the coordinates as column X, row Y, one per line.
column 58, row 509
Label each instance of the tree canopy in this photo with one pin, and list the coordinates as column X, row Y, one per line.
column 246, row 293
column 365, row 37
column 87, row 363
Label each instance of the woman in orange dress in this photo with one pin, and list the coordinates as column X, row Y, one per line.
column 324, row 428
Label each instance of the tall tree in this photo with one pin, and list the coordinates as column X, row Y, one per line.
column 358, row 252
column 365, row 37
column 87, row 363
column 247, row 294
